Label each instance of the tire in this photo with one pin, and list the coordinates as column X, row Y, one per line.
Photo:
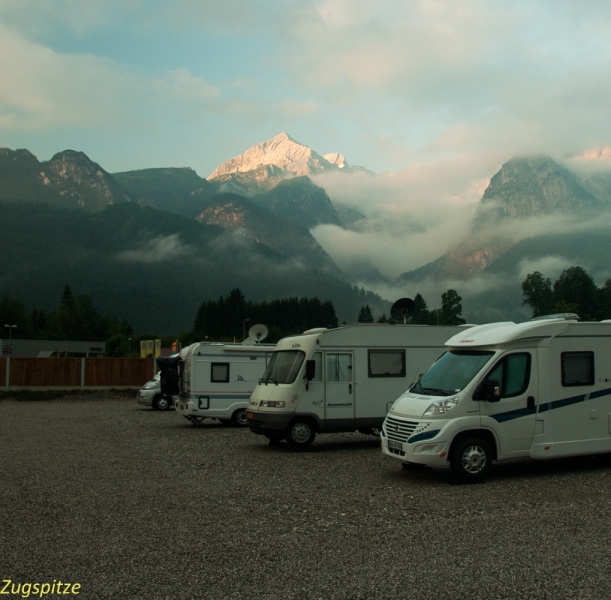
column 161, row 402
column 471, row 459
column 275, row 438
column 301, row 433
column 239, row 418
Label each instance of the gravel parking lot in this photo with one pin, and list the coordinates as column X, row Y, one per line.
column 133, row 503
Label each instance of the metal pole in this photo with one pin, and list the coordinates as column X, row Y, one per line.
column 244, row 329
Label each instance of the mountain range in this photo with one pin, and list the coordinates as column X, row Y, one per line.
column 181, row 239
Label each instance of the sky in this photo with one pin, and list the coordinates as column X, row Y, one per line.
column 390, row 83
column 438, row 93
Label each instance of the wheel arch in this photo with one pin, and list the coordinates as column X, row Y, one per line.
column 309, row 418
column 485, row 434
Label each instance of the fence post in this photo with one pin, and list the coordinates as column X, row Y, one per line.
column 154, row 368
column 8, row 371
column 82, row 373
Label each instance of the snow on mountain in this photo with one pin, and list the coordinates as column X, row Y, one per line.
column 283, row 152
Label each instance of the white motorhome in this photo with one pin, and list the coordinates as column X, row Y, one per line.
column 216, row 380
column 342, row 379
column 540, row 389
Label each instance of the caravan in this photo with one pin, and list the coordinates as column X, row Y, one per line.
column 540, row 389
column 340, row 379
column 216, row 380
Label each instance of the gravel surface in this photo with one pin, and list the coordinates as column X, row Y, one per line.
column 133, row 503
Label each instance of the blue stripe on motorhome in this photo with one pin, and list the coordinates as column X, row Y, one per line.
column 512, row 414
column 523, row 412
column 427, row 435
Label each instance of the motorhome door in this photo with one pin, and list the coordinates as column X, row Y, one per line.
column 514, row 415
column 339, row 390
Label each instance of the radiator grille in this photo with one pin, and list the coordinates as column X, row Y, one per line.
column 398, row 429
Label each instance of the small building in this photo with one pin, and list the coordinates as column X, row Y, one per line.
column 45, row 348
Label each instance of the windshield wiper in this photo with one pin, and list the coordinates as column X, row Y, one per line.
column 268, row 380
column 436, row 391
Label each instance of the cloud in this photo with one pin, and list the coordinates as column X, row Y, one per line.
column 41, row 88
column 468, row 75
column 413, row 216
column 158, row 249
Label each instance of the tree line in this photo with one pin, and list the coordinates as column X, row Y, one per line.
column 573, row 292
column 450, row 312
column 231, row 317
column 75, row 319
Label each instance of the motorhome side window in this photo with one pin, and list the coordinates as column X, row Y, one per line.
column 513, row 374
column 339, row 367
column 219, row 372
column 386, row 363
column 317, row 358
column 577, row 368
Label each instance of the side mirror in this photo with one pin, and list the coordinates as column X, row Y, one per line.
column 310, row 370
column 489, row 391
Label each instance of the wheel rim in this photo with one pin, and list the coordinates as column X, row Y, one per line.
column 241, row 418
column 474, row 459
column 301, row 432
column 163, row 403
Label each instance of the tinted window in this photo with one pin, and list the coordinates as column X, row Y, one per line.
column 317, row 358
column 386, row 363
column 283, row 366
column 219, row 373
column 513, row 374
column 452, row 371
column 577, row 368
column 339, row 367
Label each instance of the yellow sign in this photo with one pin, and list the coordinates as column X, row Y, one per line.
column 150, row 348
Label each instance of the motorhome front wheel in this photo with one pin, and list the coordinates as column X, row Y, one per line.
column 301, row 434
column 471, row 459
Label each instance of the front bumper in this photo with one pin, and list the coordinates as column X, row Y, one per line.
column 145, row 397
column 420, row 442
column 268, row 422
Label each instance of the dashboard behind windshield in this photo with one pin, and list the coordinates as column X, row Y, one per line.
column 452, row 372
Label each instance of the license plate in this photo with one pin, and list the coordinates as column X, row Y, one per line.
column 250, row 415
column 392, row 445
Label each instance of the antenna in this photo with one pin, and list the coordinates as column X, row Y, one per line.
column 402, row 309
column 257, row 332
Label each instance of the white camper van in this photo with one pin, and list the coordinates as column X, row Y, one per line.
column 540, row 389
column 341, row 379
column 216, row 380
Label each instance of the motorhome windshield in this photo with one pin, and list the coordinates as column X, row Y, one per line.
column 283, row 367
column 451, row 373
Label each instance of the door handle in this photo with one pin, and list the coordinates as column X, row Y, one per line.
column 350, row 388
column 530, row 403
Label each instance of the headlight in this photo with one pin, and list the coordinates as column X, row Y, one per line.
column 151, row 384
column 272, row 403
column 441, row 407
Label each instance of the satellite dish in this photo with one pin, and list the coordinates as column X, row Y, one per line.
column 257, row 332
column 402, row 309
